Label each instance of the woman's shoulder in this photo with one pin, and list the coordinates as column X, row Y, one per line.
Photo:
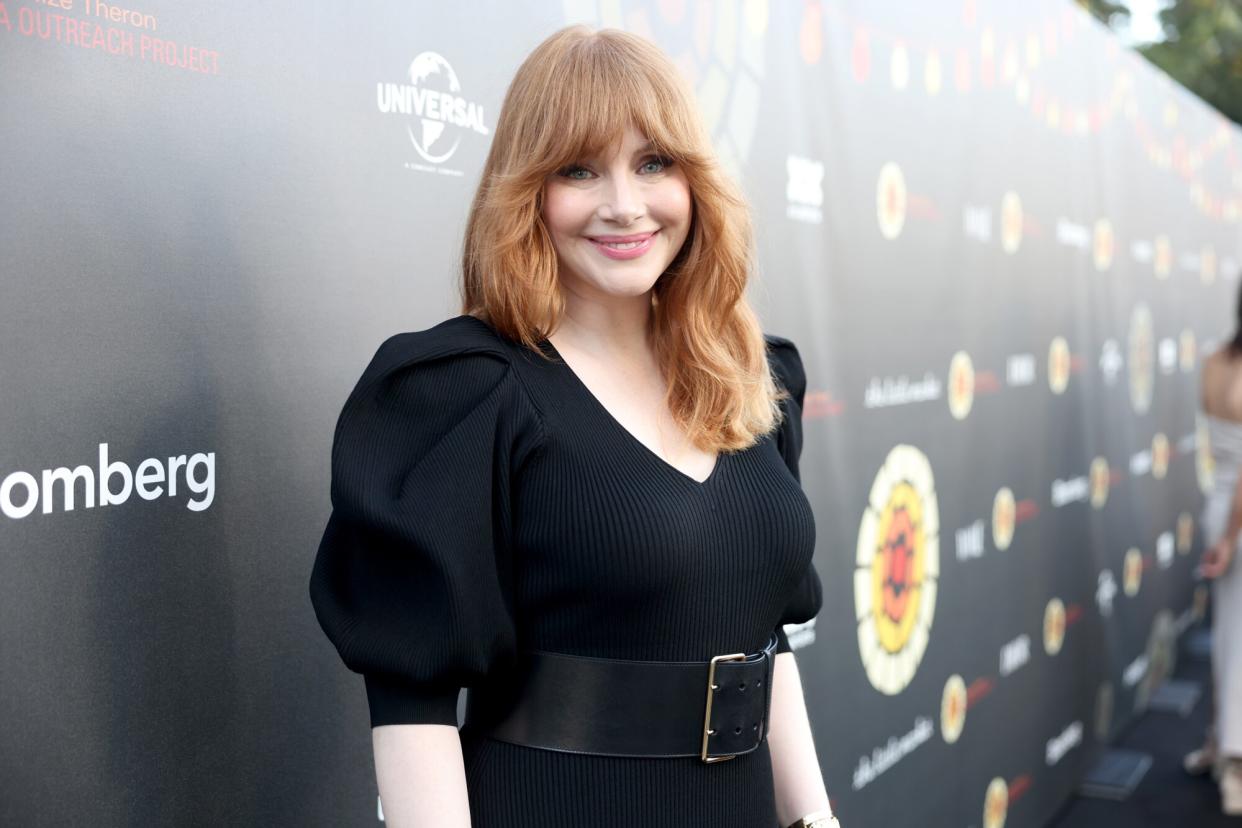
column 786, row 363
column 459, row 337
column 454, row 365
column 454, row 378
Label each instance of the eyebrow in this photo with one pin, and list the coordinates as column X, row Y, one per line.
column 647, row 147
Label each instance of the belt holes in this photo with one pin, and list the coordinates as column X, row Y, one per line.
column 758, row 682
column 755, row 726
column 737, row 730
column 741, row 685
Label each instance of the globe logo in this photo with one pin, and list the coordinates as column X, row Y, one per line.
column 427, row 66
column 439, row 114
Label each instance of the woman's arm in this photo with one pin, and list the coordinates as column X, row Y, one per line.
column 796, row 777
column 421, row 776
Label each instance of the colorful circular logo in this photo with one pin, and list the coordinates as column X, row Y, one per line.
column 1100, row 478
column 898, row 565
column 961, row 385
column 1142, row 348
column 1058, row 365
column 890, row 200
column 996, row 804
column 1054, row 626
column 953, row 709
column 1004, row 518
column 1159, row 456
column 1132, row 572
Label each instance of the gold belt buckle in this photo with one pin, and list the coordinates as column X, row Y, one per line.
column 707, row 717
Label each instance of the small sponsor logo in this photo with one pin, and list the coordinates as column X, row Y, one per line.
column 1054, row 626
column 1015, row 654
column 1159, row 456
column 1185, row 533
column 1020, row 370
column 870, row 768
column 886, row 392
column 1142, row 358
column 1105, row 591
column 1101, row 480
column 1166, row 355
column 1058, row 365
column 1011, row 222
column 996, row 804
column 1110, row 361
column 1166, row 550
column 953, row 703
column 1132, row 572
column 891, row 199
column 1004, row 518
column 961, row 385
column 1103, row 244
column 969, row 542
column 1071, row 490
column 1063, row 743
column 1134, row 671
column 804, row 189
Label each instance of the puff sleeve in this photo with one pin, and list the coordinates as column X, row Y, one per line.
column 787, row 368
column 412, row 579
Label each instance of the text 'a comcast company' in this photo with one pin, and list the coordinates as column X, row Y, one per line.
column 21, row 493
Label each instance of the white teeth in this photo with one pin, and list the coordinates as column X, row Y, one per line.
column 623, row 246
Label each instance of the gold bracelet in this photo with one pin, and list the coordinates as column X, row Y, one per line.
column 819, row 819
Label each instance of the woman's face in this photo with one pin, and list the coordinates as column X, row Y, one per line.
column 618, row 221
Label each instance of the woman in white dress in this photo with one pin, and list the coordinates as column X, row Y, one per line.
column 1221, row 399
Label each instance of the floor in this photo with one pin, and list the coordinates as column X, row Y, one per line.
column 1167, row 797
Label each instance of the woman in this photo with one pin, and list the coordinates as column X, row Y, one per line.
column 576, row 496
column 1222, row 527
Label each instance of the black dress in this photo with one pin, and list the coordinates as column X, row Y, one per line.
column 485, row 501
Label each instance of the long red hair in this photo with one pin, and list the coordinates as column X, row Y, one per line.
column 572, row 97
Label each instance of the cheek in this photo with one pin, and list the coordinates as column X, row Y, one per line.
column 674, row 203
column 563, row 211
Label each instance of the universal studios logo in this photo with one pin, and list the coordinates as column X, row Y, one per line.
column 436, row 114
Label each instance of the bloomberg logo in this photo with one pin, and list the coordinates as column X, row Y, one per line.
column 21, row 492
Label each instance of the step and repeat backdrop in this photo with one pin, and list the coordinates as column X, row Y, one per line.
column 1002, row 242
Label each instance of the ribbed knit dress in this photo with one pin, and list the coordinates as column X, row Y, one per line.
column 485, row 502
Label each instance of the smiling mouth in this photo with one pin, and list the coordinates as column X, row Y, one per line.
column 623, row 242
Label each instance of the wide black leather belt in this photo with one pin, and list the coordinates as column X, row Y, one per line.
column 714, row 710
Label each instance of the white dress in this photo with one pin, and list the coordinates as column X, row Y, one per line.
column 1225, row 437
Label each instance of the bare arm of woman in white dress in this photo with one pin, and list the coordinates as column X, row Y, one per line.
column 1218, row 377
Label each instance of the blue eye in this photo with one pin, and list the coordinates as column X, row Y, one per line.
column 571, row 173
column 661, row 163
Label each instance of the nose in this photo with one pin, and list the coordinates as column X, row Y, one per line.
column 621, row 204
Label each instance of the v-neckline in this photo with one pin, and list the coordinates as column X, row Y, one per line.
column 629, row 435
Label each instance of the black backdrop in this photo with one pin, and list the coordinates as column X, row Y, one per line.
column 1000, row 240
